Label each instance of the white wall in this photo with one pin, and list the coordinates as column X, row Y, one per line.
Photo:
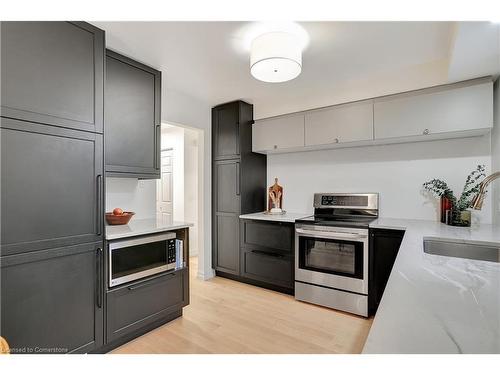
column 179, row 108
column 131, row 194
column 191, row 186
column 395, row 171
column 495, row 155
column 173, row 137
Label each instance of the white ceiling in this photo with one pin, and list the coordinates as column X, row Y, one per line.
column 343, row 61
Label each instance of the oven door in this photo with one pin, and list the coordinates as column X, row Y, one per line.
column 332, row 257
column 135, row 258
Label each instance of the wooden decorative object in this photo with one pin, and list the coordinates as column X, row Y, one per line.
column 275, row 197
column 119, row 219
column 4, row 346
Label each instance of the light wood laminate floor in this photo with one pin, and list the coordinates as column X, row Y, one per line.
column 226, row 316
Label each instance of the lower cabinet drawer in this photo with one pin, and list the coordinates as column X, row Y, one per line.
column 262, row 234
column 267, row 267
column 137, row 305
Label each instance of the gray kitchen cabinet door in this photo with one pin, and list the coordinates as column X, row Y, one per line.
column 352, row 122
column 53, row 73
column 226, row 191
column 52, row 300
column 267, row 266
column 226, row 128
column 226, row 243
column 227, row 186
column 457, row 107
column 268, row 235
column 52, row 187
column 132, row 119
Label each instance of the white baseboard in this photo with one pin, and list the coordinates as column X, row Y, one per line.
column 202, row 276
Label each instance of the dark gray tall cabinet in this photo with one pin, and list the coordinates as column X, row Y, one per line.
column 52, row 169
column 238, row 181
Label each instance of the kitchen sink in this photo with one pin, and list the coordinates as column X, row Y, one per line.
column 477, row 250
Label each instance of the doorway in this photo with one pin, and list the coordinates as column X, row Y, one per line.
column 178, row 193
column 164, row 188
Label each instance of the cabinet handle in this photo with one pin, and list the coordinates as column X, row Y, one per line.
column 237, row 178
column 98, row 255
column 336, row 140
column 99, row 204
column 426, row 132
column 157, row 146
column 275, row 147
column 150, row 282
column 269, row 254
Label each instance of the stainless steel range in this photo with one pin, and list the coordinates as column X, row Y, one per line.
column 331, row 251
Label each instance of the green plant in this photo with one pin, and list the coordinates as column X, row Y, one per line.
column 471, row 187
column 441, row 189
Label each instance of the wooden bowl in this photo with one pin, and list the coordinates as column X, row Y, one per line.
column 119, row 219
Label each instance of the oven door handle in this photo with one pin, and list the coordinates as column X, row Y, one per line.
column 330, row 235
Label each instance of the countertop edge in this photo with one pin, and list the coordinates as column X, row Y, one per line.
column 141, row 232
column 288, row 217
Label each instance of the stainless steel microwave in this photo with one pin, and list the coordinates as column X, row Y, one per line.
column 135, row 258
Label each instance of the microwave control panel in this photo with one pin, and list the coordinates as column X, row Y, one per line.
column 171, row 251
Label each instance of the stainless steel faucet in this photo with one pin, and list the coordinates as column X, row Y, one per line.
column 477, row 202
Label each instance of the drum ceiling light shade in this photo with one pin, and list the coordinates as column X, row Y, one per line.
column 276, row 57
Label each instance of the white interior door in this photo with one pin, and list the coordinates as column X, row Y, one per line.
column 164, row 191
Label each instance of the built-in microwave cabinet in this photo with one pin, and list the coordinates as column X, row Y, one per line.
column 278, row 134
column 340, row 124
column 455, row 108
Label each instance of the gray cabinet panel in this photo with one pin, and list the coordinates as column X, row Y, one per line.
column 267, row 267
column 137, row 305
column 225, row 119
column 270, row 235
column 51, row 186
column 53, row 73
column 51, row 299
column 227, row 243
column 132, row 117
column 227, row 175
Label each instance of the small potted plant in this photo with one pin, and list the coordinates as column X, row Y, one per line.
column 455, row 211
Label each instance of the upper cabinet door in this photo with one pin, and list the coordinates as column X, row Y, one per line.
column 226, row 127
column 133, row 115
column 278, row 134
column 453, row 108
column 339, row 124
column 53, row 73
column 52, row 187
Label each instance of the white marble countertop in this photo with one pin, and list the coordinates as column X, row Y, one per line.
column 138, row 227
column 438, row 304
column 288, row 217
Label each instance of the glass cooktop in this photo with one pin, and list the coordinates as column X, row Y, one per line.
column 337, row 221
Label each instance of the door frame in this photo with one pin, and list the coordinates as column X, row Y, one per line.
column 205, row 270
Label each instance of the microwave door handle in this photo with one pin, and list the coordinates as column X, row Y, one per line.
column 330, row 235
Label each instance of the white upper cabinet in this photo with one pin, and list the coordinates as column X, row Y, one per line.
column 278, row 134
column 340, row 124
column 463, row 109
column 454, row 108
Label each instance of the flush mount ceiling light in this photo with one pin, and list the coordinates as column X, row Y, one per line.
column 276, row 57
